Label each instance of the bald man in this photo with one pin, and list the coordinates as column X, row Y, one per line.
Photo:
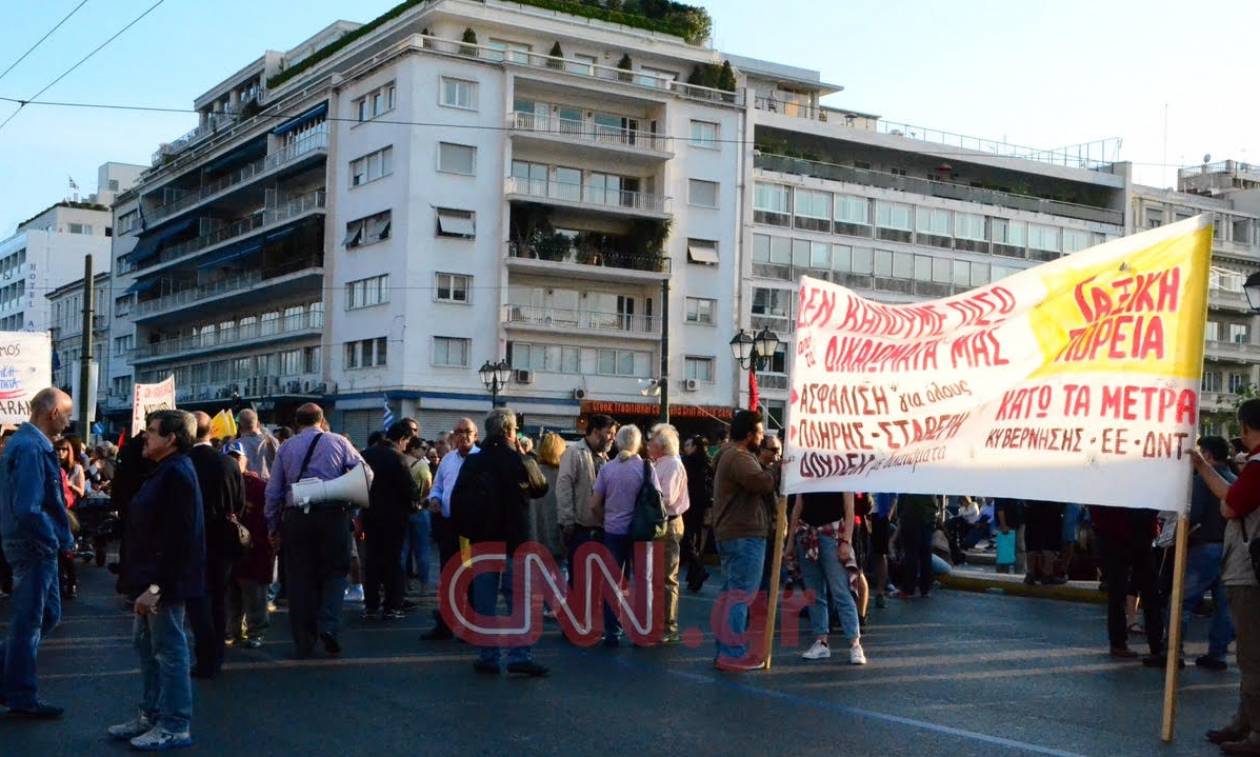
column 222, row 498
column 35, row 529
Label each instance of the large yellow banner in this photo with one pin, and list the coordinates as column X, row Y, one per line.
column 1076, row 380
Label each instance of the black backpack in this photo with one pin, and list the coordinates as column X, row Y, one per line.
column 475, row 502
column 648, row 522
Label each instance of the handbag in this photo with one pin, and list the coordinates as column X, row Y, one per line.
column 649, row 520
column 243, row 537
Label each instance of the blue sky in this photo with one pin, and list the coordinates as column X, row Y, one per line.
column 1043, row 74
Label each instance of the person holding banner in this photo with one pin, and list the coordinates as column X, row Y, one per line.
column 1240, row 573
column 36, row 529
column 741, row 525
column 821, row 535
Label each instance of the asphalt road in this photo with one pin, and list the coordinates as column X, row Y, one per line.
column 956, row 674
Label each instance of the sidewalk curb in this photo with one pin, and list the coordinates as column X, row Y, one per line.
column 1017, row 588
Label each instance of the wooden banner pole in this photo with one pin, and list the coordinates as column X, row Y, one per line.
column 776, row 566
column 1172, row 670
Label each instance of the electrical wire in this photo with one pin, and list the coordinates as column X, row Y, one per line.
column 40, row 41
column 22, row 105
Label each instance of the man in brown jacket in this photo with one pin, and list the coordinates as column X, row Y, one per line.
column 741, row 523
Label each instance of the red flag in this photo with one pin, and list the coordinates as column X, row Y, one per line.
column 754, row 396
column 122, row 439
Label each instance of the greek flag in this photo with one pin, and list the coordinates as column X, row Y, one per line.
column 388, row 418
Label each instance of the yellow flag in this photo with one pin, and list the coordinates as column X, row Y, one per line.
column 220, row 425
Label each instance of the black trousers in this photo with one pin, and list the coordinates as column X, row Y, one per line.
column 382, row 564
column 317, row 560
column 916, row 561
column 1124, row 564
column 207, row 615
column 448, row 547
column 693, row 542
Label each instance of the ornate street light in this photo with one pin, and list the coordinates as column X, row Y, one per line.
column 742, row 347
column 752, row 353
column 1252, row 289
column 495, row 376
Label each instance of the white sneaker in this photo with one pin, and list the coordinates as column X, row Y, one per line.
column 354, row 593
column 159, row 740
column 131, row 729
column 820, row 651
column 856, row 655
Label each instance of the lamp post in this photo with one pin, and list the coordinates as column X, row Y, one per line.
column 752, row 352
column 1251, row 288
column 495, row 376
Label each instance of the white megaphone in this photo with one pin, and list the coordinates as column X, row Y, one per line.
column 350, row 487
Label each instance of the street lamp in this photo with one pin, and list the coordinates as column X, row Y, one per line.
column 495, row 376
column 752, row 353
column 1252, row 289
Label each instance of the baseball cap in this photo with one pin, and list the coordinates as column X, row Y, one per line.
column 234, row 448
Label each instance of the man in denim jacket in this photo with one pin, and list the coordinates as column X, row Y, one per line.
column 34, row 528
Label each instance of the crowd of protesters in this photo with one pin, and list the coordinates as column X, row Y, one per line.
column 213, row 539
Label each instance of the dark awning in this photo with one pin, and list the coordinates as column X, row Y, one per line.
column 318, row 112
column 277, row 236
column 150, row 244
column 237, row 156
column 141, row 286
column 230, row 253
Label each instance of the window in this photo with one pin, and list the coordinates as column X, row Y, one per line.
column 1007, row 232
column 704, row 134
column 1043, row 237
column 702, row 251
column 460, row 224
column 1239, row 333
column 979, row 274
column 366, row 353
column 761, row 248
column 582, row 64
column 124, row 344
column 121, row 386
column 1237, row 382
column 373, row 228
column 460, row 159
column 451, row 352
column 452, row 287
column 1075, row 241
column 851, row 209
column 863, row 260
column 841, row 258
column 122, row 305
column 623, row 363
column 291, row 362
column 775, row 303
column 366, row 293
column 772, row 198
column 700, row 310
column 780, row 250
column 310, row 359
column 513, row 52
column 903, row 265
column 892, row 215
column 702, row 193
column 932, row 221
column 969, row 226
column 1212, row 331
column 372, row 166
column 79, row 228
column 813, row 204
column 883, row 263
column 819, row 255
column 1154, row 218
column 699, row 369
column 459, row 93
column 656, row 77
column 374, row 103
column 1211, row 381
column 800, row 253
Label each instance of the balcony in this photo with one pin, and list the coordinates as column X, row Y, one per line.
column 611, row 265
column 255, row 334
column 1234, row 352
column 932, row 188
column 267, row 218
column 245, row 288
column 596, row 140
column 772, row 381
column 254, row 387
column 588, row 197
column 582, row 322
column 214, row 124
column 1225, row 299
column 779, row 324
column 310, row 146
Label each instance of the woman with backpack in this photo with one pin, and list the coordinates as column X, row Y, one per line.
column 613, row 502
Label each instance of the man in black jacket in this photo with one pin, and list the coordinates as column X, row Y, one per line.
column 223, row 498
column 490, row 503
column 393, row 497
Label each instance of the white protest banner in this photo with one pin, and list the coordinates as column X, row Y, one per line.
column 1074, row 381
column 149, row 397
column 25, row 369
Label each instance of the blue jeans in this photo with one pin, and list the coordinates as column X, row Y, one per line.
column 36, row 611
column 415, row 554
column 486, row 590
column 1203, row 572
column 620, row 546
column 827, row 576
column 162, row 645
column 742, row 561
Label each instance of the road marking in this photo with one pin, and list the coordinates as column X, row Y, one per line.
column 964, row 675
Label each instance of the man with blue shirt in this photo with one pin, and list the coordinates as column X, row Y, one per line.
column 35, row 529
column 464, row 443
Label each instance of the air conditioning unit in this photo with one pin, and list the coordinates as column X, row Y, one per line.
column 579, row 393
column 690, row 385
column 294, row 387
column 523, row 377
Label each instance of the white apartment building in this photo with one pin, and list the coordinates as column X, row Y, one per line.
column 47, row 250
column 462, row 182
column 66, row 327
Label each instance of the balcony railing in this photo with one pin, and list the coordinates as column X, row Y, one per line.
column 932, row 188
column 215, row 123
column 561, row 318
column 772, row 381
column 283, row 326
column 308, row 144
column 572, row 128
column 587, row 194
column 599, row 259
column 1237, row 351
column 253, row 386
column 261, row 219
column 240, row 282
